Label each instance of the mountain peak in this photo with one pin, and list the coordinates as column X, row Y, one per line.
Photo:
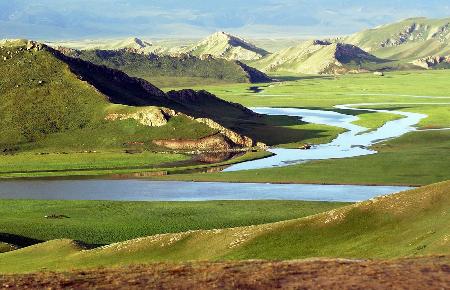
column 224, row 45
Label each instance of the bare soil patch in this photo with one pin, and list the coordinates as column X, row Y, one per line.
column 417, row 273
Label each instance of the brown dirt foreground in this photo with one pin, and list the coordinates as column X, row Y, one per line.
column 418, row 273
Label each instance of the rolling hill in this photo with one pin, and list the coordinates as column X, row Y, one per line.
column 153, row 67
column 52, row 100
column 227, row 46
column 406, row 224
column 408, row 39
column 318, row 57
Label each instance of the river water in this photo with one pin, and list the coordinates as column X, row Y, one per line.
column 147, row 190
column 354, row 142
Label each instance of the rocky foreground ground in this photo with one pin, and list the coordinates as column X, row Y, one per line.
column 419, row 273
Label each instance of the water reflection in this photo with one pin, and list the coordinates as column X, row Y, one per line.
column 356, row 141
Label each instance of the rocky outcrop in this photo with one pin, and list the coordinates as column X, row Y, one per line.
column 240, row 140
column 152, row 117
column 157, row 117
column 214, row 143
column 431, row 61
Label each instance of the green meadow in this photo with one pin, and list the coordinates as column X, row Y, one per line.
column 106, row 222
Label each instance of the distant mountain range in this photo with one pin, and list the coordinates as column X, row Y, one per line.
column 411, row 43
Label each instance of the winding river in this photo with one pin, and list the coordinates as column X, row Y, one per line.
column 355, row 141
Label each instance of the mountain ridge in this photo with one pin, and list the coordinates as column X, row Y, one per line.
column 318, row 57
column 227, row 46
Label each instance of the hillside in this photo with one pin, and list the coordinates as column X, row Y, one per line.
column 227, row 46
column 410, row 38
column 52, row 100
column 318, row 57
column 152, row 67
column 410, row 223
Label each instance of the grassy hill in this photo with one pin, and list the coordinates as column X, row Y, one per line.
column 407, row 39
column 53, row 105
column 156, row 68
column 318, row 57
column 227, row 46
column 47, row 96
column 410, row 223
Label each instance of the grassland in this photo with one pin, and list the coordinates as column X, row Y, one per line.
column 417, row 158
column 122, row 165
column 106, row 222
column 410, row 223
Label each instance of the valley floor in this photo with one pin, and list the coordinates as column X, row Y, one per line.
column 419, row 273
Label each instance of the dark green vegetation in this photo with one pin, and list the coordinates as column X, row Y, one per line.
column 164, row 69
column 105, row 222
column 410, row 223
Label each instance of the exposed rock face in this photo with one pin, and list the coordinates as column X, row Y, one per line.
column 407, row 39
column 33, row 45
column 431, row 61
column 240, row 140
column 216, row 143
column 152, row 117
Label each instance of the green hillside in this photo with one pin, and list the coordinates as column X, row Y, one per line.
column 155, row 68
column 407, row 39
column 48, row 100
column 62, row 112
column 410, row 223
column 318, row 57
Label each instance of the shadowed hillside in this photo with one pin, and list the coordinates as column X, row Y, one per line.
column 153, row 67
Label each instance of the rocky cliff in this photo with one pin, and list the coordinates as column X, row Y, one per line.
column 432, row 61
